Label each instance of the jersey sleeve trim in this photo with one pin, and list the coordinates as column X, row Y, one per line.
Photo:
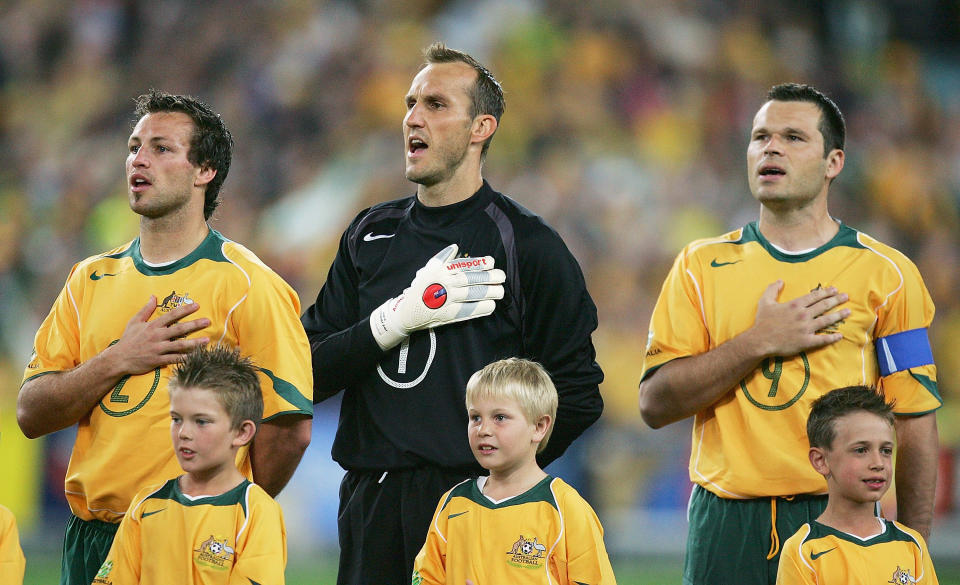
column 931, row 387
column 653, row 369
column 904, row 350
column 929, row 384
column 289, row 392
column 37, row 375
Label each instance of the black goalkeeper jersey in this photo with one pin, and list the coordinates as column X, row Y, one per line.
column 405, row 407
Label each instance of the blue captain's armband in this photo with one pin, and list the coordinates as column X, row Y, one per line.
column 904, row 350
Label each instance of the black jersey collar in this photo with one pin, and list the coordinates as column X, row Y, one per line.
column 447, row 215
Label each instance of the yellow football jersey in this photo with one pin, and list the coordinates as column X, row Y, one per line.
column 752, row 442
column 124, row 443
column 168, row 537
column 549, row 534
column 12, row 561
column 821, row 555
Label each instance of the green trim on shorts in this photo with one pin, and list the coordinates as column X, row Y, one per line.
column 728, row 540
column 85, row 547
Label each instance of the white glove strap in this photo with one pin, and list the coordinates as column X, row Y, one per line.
column 387, row 334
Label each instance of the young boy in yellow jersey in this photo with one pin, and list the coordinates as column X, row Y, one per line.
column 210, row 525
column 12, row 562
column 536, row 528
column 851, row 445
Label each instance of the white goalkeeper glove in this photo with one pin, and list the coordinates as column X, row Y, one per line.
column 446, row 290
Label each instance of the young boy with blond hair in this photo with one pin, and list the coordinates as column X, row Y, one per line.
column 210, row 525
column 536, row 528
column 851, row 444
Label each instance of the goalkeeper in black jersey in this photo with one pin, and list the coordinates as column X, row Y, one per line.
column 424, row 291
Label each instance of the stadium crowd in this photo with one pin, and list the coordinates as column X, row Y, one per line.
column 628, row 123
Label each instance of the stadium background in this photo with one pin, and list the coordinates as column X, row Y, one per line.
column 626, row 127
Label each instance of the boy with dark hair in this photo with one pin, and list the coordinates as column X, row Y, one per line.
column 851, row 445
column 212, row 525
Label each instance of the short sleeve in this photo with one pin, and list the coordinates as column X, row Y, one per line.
column 430, row 564
column 270, row 332
column 123, row 562
column 907, row 313
column 56, row 346
column 791, row 570
column 12, row 561
column 262, row 544
column 587, row 559
column 677, row 327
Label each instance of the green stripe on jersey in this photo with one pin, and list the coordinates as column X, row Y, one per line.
column 289, row 392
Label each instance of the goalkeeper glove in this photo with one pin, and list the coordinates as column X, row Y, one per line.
column 446, row 290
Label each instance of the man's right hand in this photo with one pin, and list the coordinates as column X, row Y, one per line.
column 446, row 290
column 146, row 345
column 49, row 403
column 685, row 386
column 786, row 329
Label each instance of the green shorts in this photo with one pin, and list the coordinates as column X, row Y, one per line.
column 85, row 547
column 738, row 541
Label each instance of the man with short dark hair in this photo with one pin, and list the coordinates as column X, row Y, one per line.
column 424, row 291
column 95, row 366
column 754, row 325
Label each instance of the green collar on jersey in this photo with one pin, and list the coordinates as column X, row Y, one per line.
column 171, row 491
column 211, row 248
column 846, row 237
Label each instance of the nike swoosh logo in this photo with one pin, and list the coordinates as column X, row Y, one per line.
column 457, row 514
column 369, row 237
column 815, row 556
column 145, row 514
column 96, row 276
column 716, row 264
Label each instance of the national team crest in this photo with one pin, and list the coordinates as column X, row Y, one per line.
column 902, row 577
column 527, row 553
column 104, row 572
column 214, row 552
column 174, row 300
